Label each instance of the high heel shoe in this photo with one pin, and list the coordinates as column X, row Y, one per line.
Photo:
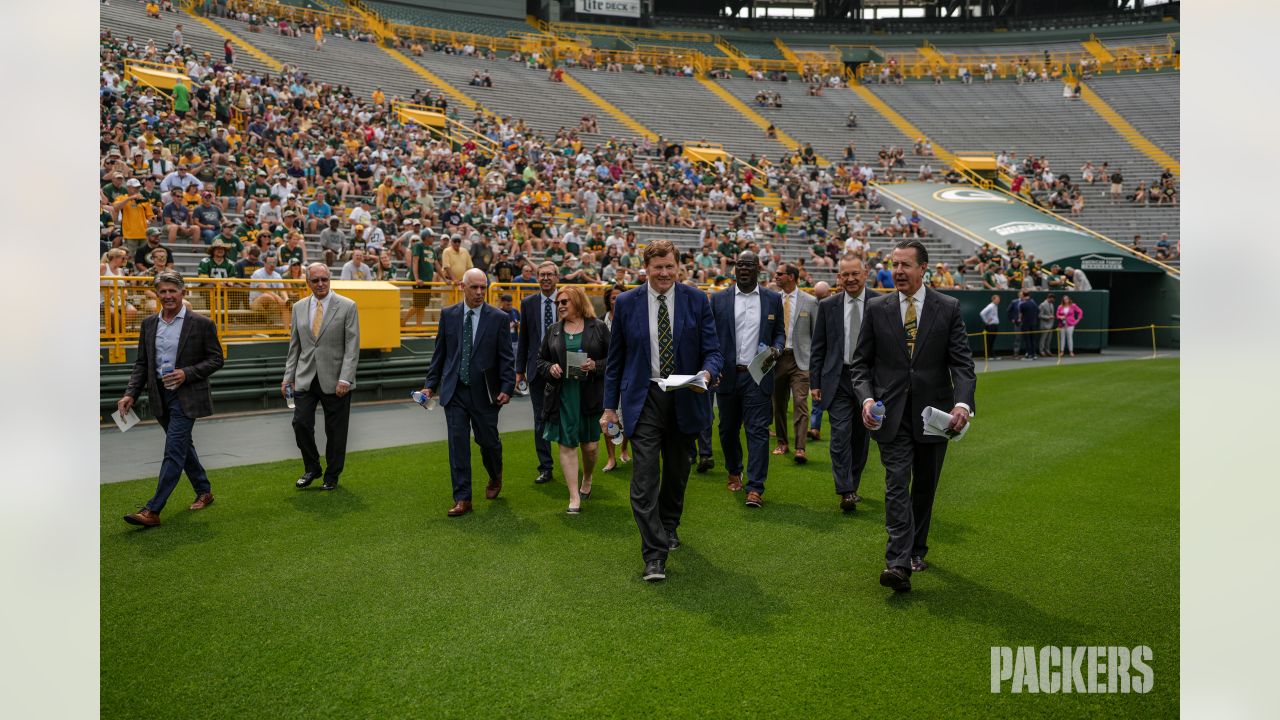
column 609, row 467
column 584, row 494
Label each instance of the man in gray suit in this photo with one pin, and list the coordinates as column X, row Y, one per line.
column 791, row 374
column 831, row 362
column 324, row 348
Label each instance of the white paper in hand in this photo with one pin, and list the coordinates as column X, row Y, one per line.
column 124, row 423
column 695, row 382
column 761, row 364
column 937, row 423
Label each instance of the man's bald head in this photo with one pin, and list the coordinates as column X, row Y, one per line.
column 474, row 285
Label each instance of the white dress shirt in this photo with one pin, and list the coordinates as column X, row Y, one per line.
column 795, row 308
column 853, row 307
column 542, row 312
column 311, row 313
column 990, row 315
column 655, row 370
column 746, row 323
column 475, row 320
column 902, row 308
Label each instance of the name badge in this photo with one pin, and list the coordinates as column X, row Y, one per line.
column 770, row 316
column 804, row 313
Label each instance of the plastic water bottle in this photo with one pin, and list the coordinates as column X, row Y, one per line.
column 166, row 367
column 288, row 396
column 427, row 403
column 877, row 413
column 614, row 431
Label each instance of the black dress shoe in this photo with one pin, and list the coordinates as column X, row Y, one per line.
column 899, row 579
column 918, row 564
column 329, row 485
column 706, row 464
column 655, row 571
column 306, row 479
column 543, row 477
column 849, row 502
column 675, row 540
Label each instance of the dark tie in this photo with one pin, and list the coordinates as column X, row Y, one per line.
column 665, row 359
column 465, row 372
column 547, row 319
column 910, row 326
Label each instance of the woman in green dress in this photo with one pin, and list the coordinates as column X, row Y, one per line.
column 574, row 398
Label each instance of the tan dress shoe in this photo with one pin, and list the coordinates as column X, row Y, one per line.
column 143, row 517
column 734, row 484
column 462, row 507
column 754, row 500
column 202, row 502
column 492, row 489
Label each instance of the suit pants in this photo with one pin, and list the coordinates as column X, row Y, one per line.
column 700, row 449
column 537, row 388
column 790, row 380
column 337, row 414
column 1046, row 337
column 657, row 493
column 179, row 454
column 469, row 411
column 911, row 477
column 747, row 405
column 850, row 439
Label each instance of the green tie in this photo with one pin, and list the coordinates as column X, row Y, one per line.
column 665, row 359
column 464, row 373
column 910, row 326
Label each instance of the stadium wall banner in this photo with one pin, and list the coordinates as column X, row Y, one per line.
column 618, row 8
column 998, row 218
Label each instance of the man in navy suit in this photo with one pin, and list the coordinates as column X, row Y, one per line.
column 659, row 329
column 831, row 359
column 748, row 318
column 472, row 373
column 539, row 313
column 912, row 351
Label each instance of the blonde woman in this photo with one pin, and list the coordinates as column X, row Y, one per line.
column 574, row 401
column 113, row 266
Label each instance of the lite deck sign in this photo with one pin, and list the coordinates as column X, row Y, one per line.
column 619, row 8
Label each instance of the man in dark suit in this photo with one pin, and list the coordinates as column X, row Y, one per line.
column 472, row 372
column 912, row 352
column 834, row 339
column 538, row 312
column 185, row 345
column 320, row 367
column 748, row 318
column 659, row 329
column 1029, row 315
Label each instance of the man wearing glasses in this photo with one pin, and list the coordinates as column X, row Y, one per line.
column 324, row 348
column 538, row 312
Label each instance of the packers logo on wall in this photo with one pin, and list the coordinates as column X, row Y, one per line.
column 969, row 194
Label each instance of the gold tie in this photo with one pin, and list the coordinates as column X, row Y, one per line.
column 910, row 326
column 317, row 319
column 786, row 317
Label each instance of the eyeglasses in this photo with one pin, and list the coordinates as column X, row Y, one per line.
column 561, row 302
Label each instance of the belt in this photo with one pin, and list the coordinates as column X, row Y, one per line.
column 741, row 368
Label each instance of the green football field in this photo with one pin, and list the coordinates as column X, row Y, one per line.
column 1056, row 523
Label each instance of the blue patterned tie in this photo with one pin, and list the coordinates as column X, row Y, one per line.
column 665, row 359
column 547, row 319
column 465, row 372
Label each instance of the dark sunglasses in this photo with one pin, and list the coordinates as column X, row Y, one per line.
column 562, row 302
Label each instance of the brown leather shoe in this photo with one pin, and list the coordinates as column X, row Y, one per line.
column 493, row 488
column 460, row 508
column 734, row 484
column 849, row 502
column 754, row 500
column 800, row 458
column 780, row 450
column 202, row 502
column 143, row 517
column 814, row 434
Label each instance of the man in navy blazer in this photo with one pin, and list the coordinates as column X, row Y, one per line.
column 659, row 329
column 831, row 360
column 912, row 352
column 748, row 319
column 537, row 313
column 472, row 373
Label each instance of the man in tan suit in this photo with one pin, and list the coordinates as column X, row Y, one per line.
column 791, row 374
column 324, row 348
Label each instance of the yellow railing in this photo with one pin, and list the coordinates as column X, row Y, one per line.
column 523, row 42
column 567, row 28
column 327, row 19
column 452, row 130
column 914, row 64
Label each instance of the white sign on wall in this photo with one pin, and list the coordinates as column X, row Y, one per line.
column 619, row 8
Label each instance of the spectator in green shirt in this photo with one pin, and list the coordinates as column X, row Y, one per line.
column 217, row 265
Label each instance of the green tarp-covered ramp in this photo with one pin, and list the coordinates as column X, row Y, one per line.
column 996, row 218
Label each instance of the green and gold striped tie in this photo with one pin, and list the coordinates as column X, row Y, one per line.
column 910, row 326
column 666, row 360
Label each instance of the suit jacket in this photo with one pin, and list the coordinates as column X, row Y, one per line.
column 723, row 308
column 329, row 357
column 802, row 333
column 199, row 356
column 940, row 373
column 696, row 348
column 530, row 341
column 490, row 351
column 826, row 362
column 595, row 343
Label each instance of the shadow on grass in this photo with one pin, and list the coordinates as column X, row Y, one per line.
column 177, row 531
column 818, row 520
column 327, row 504
column 732, row 601
column 959, row 599
column 495, row 518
